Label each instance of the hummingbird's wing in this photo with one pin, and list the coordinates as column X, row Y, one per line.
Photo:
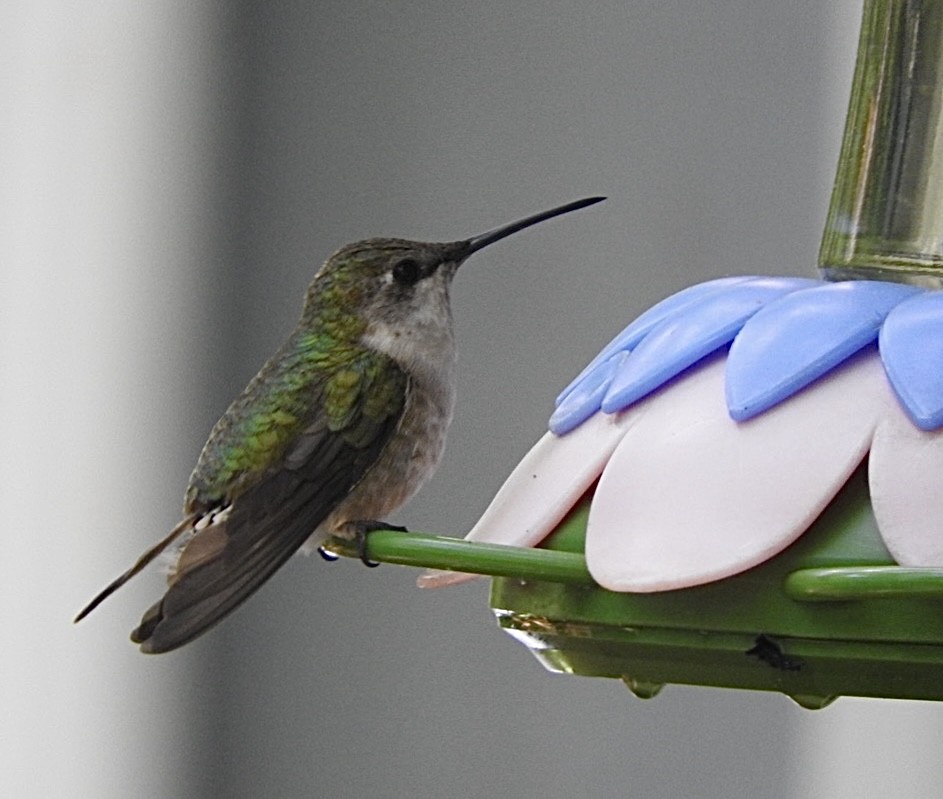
column 246, row 542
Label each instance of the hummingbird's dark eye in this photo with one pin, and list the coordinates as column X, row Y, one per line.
column 406, row 272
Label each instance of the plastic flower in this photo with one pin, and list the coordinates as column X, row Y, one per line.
column 721, row 422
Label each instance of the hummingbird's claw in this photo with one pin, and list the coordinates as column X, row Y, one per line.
column 362, row 553
column 360, row 532
column 362, row 529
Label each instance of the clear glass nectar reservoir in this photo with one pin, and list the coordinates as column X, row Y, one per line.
column 885, row 220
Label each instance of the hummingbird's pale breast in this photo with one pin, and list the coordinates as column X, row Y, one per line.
column 423, row 344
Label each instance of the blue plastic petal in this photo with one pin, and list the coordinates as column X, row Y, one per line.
column 801, row 336
column 670, row 306
column 586, row 397
column 681, row 340
column 911, row 344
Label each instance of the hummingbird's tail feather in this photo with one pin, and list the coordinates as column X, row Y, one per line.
column 224, row 564
column 141, row 562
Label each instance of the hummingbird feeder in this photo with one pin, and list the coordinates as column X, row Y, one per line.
column 745, row 487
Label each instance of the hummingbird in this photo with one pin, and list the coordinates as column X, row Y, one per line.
column 340, row 427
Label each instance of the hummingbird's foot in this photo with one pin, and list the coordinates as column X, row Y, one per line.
column 361, row 529
column 328, row 556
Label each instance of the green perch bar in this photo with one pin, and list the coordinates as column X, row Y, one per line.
column 823, row 584
column 455, row 554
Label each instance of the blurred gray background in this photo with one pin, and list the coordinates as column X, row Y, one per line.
column 173, row 175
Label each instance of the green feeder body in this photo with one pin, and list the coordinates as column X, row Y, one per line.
column 832, row 615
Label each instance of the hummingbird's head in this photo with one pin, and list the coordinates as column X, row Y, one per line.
column 393, row 294
column 390, row 280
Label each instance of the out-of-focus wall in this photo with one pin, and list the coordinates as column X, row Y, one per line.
column 107, row 263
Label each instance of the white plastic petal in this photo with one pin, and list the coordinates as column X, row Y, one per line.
column 691, row 496
column 549, row 481
column 906, row 475
column 543, row 487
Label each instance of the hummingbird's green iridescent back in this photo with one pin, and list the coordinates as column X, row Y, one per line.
column 308, row 390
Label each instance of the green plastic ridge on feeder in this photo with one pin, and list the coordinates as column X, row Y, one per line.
column 798, row 551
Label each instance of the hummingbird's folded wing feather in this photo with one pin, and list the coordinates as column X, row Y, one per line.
column 265, row 525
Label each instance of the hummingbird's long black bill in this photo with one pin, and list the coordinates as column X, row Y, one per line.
column 483, row 240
